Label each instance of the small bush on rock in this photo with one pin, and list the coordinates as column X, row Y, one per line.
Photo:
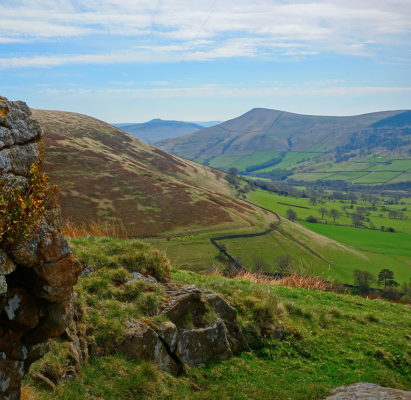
column 22, row 206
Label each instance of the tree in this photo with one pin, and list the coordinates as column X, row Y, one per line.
column 260, row 265
column 291, row 214
column 363, row 279
column 313, row 199
column 345, row 209
column 356, row 220
column 335, row 213
column 284, row 262
column 386, row 277
column 233, row 171
column 323, row 211
column 223, row 247
column 406, row 287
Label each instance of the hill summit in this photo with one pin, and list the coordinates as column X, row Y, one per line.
column 263, row 129
column 158, row 129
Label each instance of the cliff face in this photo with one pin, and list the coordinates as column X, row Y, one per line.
column 36, row 281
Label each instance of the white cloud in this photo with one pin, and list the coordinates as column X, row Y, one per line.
column 209, row 29
column 227, row 92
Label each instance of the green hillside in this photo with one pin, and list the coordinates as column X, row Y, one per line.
column 327, row 340
column 307, row 145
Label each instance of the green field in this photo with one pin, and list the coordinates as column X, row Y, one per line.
column 223, row 162
column 258, row 157
column 345, row 176
column 312, row 176
column 349, row 171
column 330, row 258
column 377, row 177
column 289, row 160
column 405, row 177
column 254, row 178
column 396, row 165
column 350, row 166
column 398, row 244
column 393, row 243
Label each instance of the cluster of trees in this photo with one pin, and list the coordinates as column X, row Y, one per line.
column 281, row 264
column 385, row 278
column 334, row 213
column 396, row 214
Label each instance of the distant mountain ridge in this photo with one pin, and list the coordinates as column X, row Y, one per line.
column 273, row 130
column 158, row 129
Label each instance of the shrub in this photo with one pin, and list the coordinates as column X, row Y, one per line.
column 405, row 299
column 22, row 206
column 312, row 219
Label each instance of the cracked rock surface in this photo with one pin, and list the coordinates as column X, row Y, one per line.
column 367, row 391
column 171, row 344
column 36, row 282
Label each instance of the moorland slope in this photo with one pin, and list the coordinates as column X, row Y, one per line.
column 158, row 129
column 272, row 130
column 104, row 172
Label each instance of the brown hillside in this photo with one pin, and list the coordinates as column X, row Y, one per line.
column 106, row 173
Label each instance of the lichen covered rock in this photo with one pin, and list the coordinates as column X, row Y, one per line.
column 213, row 331
column 36, row 281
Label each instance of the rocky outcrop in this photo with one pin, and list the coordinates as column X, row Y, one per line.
column 36, row 281
column 201, row 326
column 367, row 391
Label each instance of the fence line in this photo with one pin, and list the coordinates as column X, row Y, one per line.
column 213, row 239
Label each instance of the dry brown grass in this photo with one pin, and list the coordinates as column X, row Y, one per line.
column 95, row 228
column 294, row 280
column 27, row 393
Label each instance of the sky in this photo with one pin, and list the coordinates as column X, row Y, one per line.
column 135, row 60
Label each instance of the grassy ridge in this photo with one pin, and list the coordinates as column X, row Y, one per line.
column 327, row 340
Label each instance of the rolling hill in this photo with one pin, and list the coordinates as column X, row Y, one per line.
column 158, row 129
column 104, row 172
column 264, row 130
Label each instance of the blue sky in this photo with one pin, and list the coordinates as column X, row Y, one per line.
column 132, row 60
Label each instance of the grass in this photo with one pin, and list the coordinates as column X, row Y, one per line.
column 290, row 159
column 396, row 165
column 394, row 243
column 358, row 170
column 405, row 177
column 346, row 166
column 345, row 176
column 321, row 340
column 258, row 157
column 344, row 261
column 377, row 177
column 313, row 176
column 224, row 161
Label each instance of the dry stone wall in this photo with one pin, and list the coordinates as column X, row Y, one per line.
column 36, row 282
